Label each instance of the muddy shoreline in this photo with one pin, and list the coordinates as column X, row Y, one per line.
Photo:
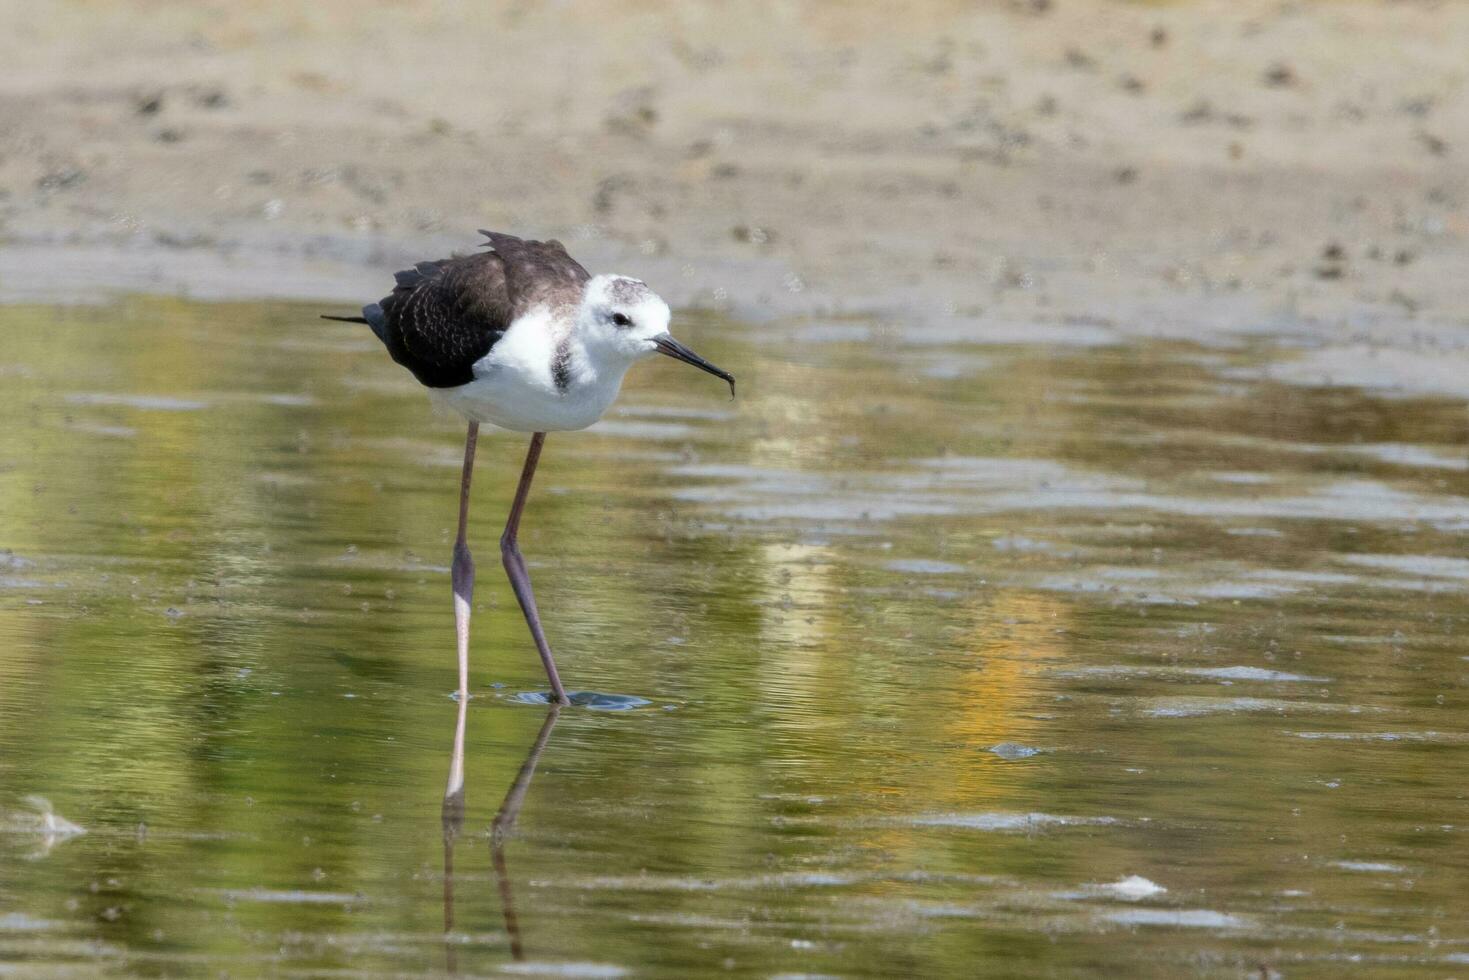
column 960, row 171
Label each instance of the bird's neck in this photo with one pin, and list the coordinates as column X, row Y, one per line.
column 579, row 369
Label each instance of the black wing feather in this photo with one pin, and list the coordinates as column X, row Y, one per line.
column 443, row 316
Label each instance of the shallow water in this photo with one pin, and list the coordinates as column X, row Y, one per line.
column 957, row 660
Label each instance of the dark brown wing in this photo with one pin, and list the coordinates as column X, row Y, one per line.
column 443, row 316
column 538, row 273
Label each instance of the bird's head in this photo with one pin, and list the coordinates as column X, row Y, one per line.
column 623, row 320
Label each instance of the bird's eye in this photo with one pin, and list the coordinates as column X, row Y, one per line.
column 622, row 319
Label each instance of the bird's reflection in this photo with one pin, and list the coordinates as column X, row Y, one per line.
column 505, row 822
column 453, row 820
column 500, row 828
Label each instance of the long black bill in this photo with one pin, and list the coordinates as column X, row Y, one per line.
column 667, row 345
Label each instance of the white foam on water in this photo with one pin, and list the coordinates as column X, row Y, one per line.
column 44, row 826
column 1130, row 889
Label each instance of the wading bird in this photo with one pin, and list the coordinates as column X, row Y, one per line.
column 521, row 337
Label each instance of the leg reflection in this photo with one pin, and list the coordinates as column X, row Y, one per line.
column 500, row 829
column 505, row 822
column 453, row 821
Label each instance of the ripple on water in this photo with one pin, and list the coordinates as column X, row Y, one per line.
column 1014, row 750
column 1193, row 707
column 595, row 700
column 674, row 412
column 1435, row 566
column 1407, row 454
column 652, row 431
column 923, row 566
column 156, row 403
column 1007, row 821
column 106, row 431
column 590, row 971
column 1369, row 867
column 995, row 485
column 1254, row 674
column 1209, row 673
column 1184, row 918
column 1164, row 490
column 1020, row 543
column 20, row 922
column 1384, row 736
column 289, row 896
column 648, row 882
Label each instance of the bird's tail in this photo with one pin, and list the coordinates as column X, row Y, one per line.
column 372, row 315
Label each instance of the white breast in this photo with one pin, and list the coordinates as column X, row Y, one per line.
column 514, row 386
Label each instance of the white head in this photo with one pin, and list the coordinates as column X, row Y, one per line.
column 621, row 320
column 620, row 316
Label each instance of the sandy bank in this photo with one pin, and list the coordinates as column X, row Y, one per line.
column 1199, row 170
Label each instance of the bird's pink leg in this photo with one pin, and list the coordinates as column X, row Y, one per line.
column 462, row 575
column 515, row 567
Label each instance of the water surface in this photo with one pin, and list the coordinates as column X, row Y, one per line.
column 936, row 659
